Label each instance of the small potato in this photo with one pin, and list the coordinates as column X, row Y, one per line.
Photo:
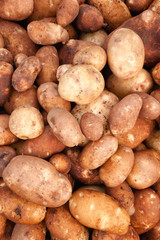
column 125, row 53
column 142, row 82
column 140, row 147
column 16, row 12
column 19, row 58
column 99, row 211
column 6, row 56
column 81, row 84
column 18, row 147
column 145, row 171
column 6, row 154
column 26, row 122
column 69, row 133
column 25, row 75
column 127, row 110
column 37, row 181
column 46, row 33
column 91, row 126
column 153, row 141
column 96, row 153
column 92, row 55
column 62, row 225
column 44, row 145
column 156, row 74
column 97, row 37
column 3, row 221
column 61, row 163
column 154, row 233
column 49, row 97
column 117, row 168
column 66, row 14
column 6, row 136
column 147, row 210
column 124, row 194
column 89, row 18
column 155, row 6
column 48, row 57
column 29, row 232
column 138, row 6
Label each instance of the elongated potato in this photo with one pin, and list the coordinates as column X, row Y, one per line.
column 6, row 154
column 37, row 181
column 99, row 211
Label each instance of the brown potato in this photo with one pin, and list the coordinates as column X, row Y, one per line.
column 25, row 75
column 8, row 230
column 66, row 14
column 1, row 41
column 61, row 163
column 138, row 6
column 3, row 221
column 29, row 232
column 89, row 18
column 140, row 147
column 81, row 84
column 6, row 136
column 6, row 56
column 37, row 181
column 48, row 57
column 62, row 225
column 117, row 168
column 145, row 171
column 154, row 233
column 6, row 154
column 97, row 37
column 153, row 140
column 127, row 110
column 123, row 193
column 26, row 122
column 72, row 31
column 17, row 146
column 91, row 126
column 48, row 97
column 147, row 210
column 156, row 74
column 19, row 99
column 19, row 58
column 99, row 211
column 155, row 6
column 44, row 145
column 46, row 33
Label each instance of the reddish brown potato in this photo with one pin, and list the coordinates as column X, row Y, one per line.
column 72, row 31
column 138, row 6
column 18, row 147
column 61, row 162
column 155, row 6
column 147, row 210
column 3, row 221
column 156, row 73
column 154, row 233
column 44, row 145
column 6, row 56
column 19, row 58
column 6, row 154
column 1, row 41
column 140, row 147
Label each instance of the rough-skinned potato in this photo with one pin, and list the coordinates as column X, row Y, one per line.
column 19, row 58
column 61, row 162
column 49, row 187
column 6, row 56
column 155, row 6
column 3, row 221
column 6, row 154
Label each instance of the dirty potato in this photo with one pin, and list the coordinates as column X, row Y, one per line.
column 61, row 162
column 6, row 154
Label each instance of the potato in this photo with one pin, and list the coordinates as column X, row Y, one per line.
column 16, row 39
column 26, row 122
column 19, row 210
column 69, row 134
column 16, row 12
column 153, row 141
column 62, row 225
column 6, row 56
column 127, row 110
column 1, row 41
column 140, row 147
column 96, row 153
column 37, row 181
column 145, row 171
column 49, row 97
column 91, row 126
column 147, row 210
column 81, row 84
column 155, row 7
column 8, row 230
column 6, row 136
column 19, row 58
column 46, row 33
column 97, row 37
column 117, row 168
column 6, row 154
column 44, row 145
column 89, row 18
column 92, row 55
column 123, row 193
column 130, row 235
column 125, row 51
column 17, row 146
column 72, row 31
column 97, row 210
column 2, row 225
column 156, row 74
column 25, row 75
column 66, row 14
column 86, row 176
column 29, row 232
column 61, row 162
column 61, row 70
column 6, row 71
column 19, row 99
column 154, row 233
column 142, row 82
column 114, row 12
column 138, row 6
column 48, row 57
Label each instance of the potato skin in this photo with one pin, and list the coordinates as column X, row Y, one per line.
column 61, row 162
column 6, row 154
column 62, row 225
column 153, row 140
column 52, row 189
column 99, row 211
column 147, row 210
column 3, row 221
column 155, row 6
column 138, row 6
column 154, row 233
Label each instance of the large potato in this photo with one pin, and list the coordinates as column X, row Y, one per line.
column 37, row 180
column 99, row 211
column 81, row 84
column 6, row 154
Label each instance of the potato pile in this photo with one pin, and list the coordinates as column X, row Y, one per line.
column 79, row 120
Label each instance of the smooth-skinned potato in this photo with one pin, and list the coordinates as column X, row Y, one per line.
column 61, row 162
column 6, row 154
column 49, row 187
column 138, row 6
column 97, row 37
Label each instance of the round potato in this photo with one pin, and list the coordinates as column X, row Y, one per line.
column 6, row 154
column 61, row 163
column 37, row 181
column 97, row 37
column 26, row 122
